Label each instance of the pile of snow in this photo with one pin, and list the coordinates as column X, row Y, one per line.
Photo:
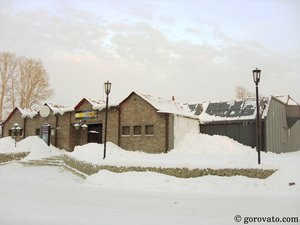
column 36, row 146
column 7, row 145
column 195, row 151
column 207, row 144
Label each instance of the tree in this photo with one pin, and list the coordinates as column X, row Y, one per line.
column 8, row 69
column 32, row 84
column 241, row 93
column 24, row 82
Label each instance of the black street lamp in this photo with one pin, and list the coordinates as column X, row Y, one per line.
column 16, row 130
column 107, row 88
column 256, row 79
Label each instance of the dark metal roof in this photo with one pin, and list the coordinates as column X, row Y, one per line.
column 231, row 110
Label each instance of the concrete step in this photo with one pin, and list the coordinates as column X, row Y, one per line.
column 40, row 163
column 56, row 161
column 75, row 172
column 50, row 161
column 51, row 158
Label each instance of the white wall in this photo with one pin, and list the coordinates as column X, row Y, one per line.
column 182, row 126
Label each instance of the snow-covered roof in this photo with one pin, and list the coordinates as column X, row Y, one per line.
column 233, row 110
column 286, row 99
column 96, row 104
column 99, row 104
column 27, row 113
column 167, row 106
column 59, row 109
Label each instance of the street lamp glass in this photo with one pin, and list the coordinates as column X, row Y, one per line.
column 256, row 75
column 76, row 125
column 107, row 87
column 84, row 127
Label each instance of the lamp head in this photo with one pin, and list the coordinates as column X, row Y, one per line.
column 256, row 75
column 76, row 125
column 107, row 87
column 84, row 127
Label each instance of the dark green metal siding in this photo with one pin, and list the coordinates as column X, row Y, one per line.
column 242, row 132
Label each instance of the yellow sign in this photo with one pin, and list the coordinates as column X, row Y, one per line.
column 89, row 114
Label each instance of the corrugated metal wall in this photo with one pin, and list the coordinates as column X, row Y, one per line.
column 277, row 132
column 276, row 127
column 241, row 132
column 294, row 137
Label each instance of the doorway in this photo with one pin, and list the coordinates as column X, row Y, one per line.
column 95, row 133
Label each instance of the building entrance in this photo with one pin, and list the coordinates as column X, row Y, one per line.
column 95, row 133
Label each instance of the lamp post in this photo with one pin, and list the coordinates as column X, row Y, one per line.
column 256, row 79
column 16, row 129
column 107, row 88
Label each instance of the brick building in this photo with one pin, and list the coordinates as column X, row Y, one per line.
column 140, row 122
column 153, row 124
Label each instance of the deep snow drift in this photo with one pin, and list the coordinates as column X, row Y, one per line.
column 195, row 151
column 36, row 146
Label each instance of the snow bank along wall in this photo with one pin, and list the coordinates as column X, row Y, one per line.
column 280, row 123
column 182, row 126
column 137, row 123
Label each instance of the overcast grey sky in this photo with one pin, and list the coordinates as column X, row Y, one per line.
column 195, row 50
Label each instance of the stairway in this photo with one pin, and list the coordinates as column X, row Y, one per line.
column 56, row 161
column 50, row 161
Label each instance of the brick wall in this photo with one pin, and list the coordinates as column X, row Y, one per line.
column 80, row 137
column 15, row 118
column 135, row 111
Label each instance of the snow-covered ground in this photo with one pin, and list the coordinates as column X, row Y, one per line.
column 51, row 195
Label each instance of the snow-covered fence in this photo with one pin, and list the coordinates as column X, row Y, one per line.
column 6, row 157
column 89, row 169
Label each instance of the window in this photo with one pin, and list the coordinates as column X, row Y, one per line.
column 37, row 132
column 149, row 129
column 126, row 130
column 137, row 130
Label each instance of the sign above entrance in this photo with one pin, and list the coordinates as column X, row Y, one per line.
column 85, row 115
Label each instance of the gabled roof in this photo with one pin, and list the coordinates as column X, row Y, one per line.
column 59, row 109
column 96, row 104
column 286, row 99
column 28, row 113
column 233, row 110
column 92, row 102
column 25, row 113
column 165, row 106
